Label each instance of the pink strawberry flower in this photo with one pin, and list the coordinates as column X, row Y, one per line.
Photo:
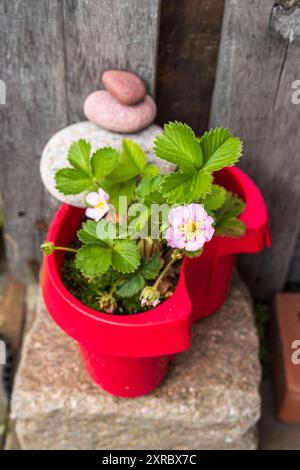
column 190, row 227
column 99, row 206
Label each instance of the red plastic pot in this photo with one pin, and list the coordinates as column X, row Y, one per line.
column 127, row 356
column 208, row 276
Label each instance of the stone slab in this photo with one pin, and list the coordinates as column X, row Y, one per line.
column 54, row 155
column 210, row 399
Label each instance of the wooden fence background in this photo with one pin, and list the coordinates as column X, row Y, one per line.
column 52, row 53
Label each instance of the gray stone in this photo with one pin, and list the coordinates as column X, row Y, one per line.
column 209, row 400
column 54, row 155
column 105, row 110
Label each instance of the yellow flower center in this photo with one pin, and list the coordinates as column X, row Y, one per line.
column 100, row 205
column 191, row 228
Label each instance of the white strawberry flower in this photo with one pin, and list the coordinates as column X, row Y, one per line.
column 98, row 205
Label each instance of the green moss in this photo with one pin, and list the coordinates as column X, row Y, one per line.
column 262, row 314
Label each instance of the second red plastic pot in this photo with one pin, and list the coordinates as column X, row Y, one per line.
column 208, row 276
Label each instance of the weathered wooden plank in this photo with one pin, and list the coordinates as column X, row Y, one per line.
column 32, row 66
column 103, row 34
column 189, row 39
column 253, row 98
column 51, row 57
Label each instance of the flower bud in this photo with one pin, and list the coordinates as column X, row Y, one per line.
column 150, row 297
column 107, row 303
column 47, row 248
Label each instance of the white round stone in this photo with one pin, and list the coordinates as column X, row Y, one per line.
column 54, row 155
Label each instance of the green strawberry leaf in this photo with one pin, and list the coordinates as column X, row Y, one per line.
column 72, row 181
column 215, row 199
column 93, row 260
column 79, row 156
column 138, row 217
column 231, row 227
column 175, row 187
column 233, row 207
column 106, row 231
column 181, row 188
column 179, row 145
column 154, row 194
column 143, row 188
column 151, row 268
column 125, row 256
column 148, row 185
column 137, row 155
column 132, row 286
column 104, row 161
column 150, row 170
column 132, row 162
column 87, row 233
column 220, row 149
column 201, row 185
column 116, row 190
column 193, row 254
column 109, row 231
column 226, row 217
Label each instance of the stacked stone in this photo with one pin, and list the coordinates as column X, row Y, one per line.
column 124, row 106
column 123, row 110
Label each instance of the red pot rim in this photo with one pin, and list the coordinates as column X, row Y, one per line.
column 255, row 217
column 148, row 316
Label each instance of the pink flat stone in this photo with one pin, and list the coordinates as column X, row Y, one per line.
column 103, row 109
column 126, row 87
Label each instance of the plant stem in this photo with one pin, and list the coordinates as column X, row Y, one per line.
column 63, row 248
column 114, row 286
column 174, row 257
column 96, row 182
